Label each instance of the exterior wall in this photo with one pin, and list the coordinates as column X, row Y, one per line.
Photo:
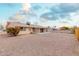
column 25, row 31
column 38, row 30
column 45, row 30
column 35, row 30
column 28, row 30
column 41, row 30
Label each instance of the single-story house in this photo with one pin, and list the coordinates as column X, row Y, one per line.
column 28, row 28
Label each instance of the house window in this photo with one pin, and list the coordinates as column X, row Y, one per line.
column 22, row 28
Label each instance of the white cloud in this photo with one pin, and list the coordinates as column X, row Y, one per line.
column 75, row 18
column 26, row 6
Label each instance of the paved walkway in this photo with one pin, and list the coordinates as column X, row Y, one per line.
column 46, row 44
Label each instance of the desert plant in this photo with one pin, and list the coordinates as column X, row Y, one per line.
column 65, row 28
column 73, row 29
column 13, row 31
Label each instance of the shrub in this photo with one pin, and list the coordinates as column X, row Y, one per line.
column 65, row 28
column 13, row 31
column 73, row 30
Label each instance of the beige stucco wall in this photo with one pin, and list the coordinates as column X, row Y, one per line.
column 26, row 31
column 45, row 30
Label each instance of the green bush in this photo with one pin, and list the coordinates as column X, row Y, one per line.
column 13, row 31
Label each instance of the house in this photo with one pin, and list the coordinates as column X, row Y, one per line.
column 28, row 28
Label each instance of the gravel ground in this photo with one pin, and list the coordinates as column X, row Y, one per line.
column 56, row 43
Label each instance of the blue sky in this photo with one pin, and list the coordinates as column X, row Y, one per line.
column 46, row 14
column 7, row 10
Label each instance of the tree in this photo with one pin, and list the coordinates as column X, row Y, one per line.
column 28, row 23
